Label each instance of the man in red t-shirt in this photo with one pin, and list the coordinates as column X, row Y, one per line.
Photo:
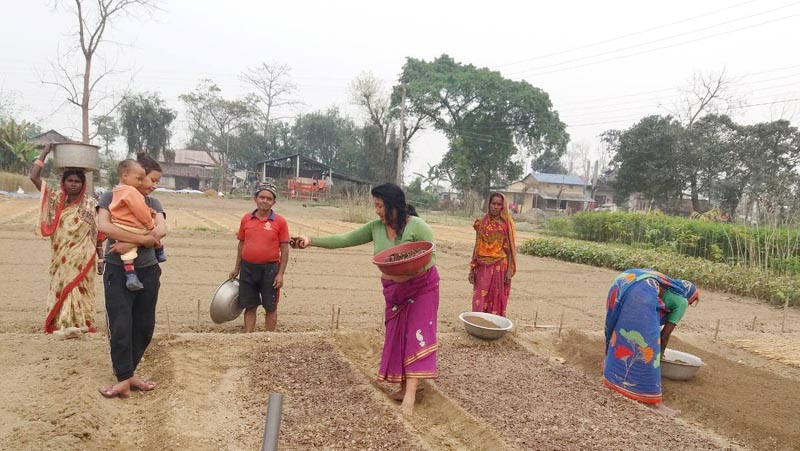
column 261, row 259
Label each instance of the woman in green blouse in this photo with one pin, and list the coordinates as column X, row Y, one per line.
column 412, row 302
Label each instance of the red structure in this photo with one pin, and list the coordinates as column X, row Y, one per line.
column 304, row 188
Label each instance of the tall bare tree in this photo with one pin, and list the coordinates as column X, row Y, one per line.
column 369, row 94
column 705, row 94
column 274, row 90
column 93, row 20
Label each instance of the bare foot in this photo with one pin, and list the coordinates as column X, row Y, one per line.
column 137, row 383
column 664, row 410
column 400, row 394
column 120, row 390
column 407, row 408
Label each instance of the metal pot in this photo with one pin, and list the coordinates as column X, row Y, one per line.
column 225, row 303
column 76, row 155
column 487, row 333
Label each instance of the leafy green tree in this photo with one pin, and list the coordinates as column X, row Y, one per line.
column 646, row 160
column 16, row 152
column 489, row 120
column 107, row 130
column 331, row 138
column 215, row 123
column 769, row 153
column 549, row 163
column 145, row 122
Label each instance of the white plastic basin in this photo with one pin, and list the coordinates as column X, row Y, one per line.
column 680, row 366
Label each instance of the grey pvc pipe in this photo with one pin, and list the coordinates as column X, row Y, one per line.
column 273, row 422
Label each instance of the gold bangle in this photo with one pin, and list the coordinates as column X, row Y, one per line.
column 38, row 163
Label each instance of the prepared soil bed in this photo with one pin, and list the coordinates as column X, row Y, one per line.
column 327, row 403
column 534, row 404
column 749, row 405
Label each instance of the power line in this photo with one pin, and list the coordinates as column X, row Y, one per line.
column 636, row 33
column 533, row 74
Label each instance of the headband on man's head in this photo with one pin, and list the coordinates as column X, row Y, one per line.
column 266, row 187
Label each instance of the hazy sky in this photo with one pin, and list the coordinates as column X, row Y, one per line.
column 604, row 64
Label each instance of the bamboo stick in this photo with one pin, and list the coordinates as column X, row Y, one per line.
column 753, row 328
column 785, row 314
column 169, row 323
column 338, row 312
column 198, row 315
column 561, row 324
column 535, row 319
column 716, row 331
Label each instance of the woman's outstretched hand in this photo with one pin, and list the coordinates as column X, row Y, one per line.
column 471, row 277
column 300, row 242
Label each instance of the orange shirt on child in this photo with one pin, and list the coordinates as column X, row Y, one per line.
column 129, row 208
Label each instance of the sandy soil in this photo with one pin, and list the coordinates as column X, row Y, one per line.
column 511, row 394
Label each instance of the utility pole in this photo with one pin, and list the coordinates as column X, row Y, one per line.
column 399, row 176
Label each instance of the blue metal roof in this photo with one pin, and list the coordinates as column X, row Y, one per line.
column 563, row 179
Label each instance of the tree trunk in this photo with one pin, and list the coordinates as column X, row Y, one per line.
column 695, row 193
column 85, row 99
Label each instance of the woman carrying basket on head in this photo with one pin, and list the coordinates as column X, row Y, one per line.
column 67, row 217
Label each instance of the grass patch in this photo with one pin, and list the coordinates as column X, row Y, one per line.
column 10, row 182
column 741, row 280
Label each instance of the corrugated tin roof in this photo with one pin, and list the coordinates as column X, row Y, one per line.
column 196, row 157
column 562, row 179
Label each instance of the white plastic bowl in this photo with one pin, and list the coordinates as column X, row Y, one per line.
column 225, row 303
column 487, row 333
column 680, row 366
column 75, row 155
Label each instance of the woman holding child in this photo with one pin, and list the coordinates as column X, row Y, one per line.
column 131, row 314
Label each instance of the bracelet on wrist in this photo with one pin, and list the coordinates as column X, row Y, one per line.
column 38, row 163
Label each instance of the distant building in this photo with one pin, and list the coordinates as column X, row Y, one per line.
column 548, row 192
column 192, row 169
column 50, row 136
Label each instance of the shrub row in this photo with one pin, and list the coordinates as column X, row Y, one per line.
column 775, row 248
column 715, row 276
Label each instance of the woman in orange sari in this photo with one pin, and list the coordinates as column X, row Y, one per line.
column 494, row 258
column 67, row 217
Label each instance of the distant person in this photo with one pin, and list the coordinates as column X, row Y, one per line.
column 494, row 258
column 411, row 302
column 131, row 314
column 67, row 217
column 642, row 309
column 261, row 259
column 129, row 212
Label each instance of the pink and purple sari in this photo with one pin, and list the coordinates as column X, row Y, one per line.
column 409, row 348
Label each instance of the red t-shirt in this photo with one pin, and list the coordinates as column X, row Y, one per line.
column 262, row 237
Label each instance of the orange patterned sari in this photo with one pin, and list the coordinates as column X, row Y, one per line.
column 494, row 256
column 73, row 235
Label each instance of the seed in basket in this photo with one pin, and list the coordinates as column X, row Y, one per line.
column 397, row 256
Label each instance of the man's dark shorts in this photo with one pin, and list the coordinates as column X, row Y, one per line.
column 255, row 285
